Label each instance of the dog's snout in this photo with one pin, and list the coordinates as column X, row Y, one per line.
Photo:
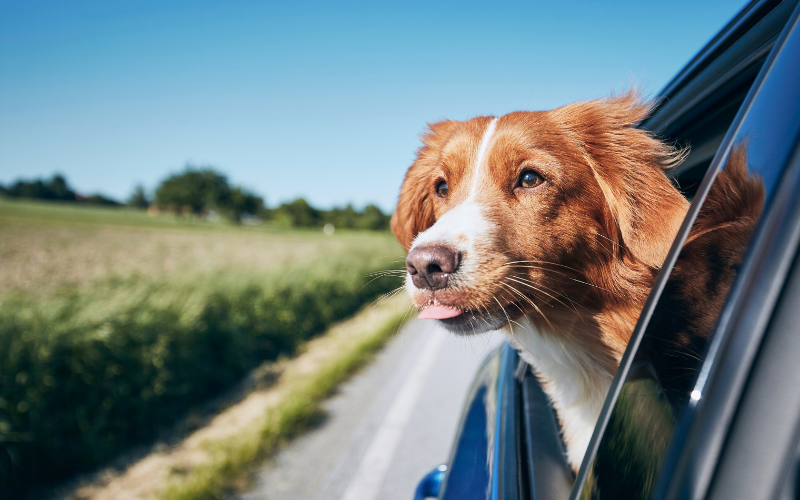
column 431, row 266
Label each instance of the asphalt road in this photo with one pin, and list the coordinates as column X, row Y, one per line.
column 387, row 427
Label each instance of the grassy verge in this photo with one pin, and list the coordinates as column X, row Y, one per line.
column 110, row 332
column 45, row 247
column 298, row 410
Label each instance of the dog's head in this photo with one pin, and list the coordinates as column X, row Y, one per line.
column 534, row 212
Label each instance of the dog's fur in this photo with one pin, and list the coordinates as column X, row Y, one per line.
column 693, row 298
column 564, row 267
column 673, row 347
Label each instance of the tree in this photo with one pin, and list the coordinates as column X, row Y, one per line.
column 139, row 198
column 243, row 202
column 198, row 189
column 203, row 189
column 54, row 189
column 297, row 214
column 346, row 217
column 373, row 218
column 58, row 188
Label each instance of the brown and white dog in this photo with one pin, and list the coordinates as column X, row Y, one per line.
column 551, row 225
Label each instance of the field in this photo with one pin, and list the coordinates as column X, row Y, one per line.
column 113, row 324
column 47, row 246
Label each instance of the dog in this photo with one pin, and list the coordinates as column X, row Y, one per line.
column 551, row 225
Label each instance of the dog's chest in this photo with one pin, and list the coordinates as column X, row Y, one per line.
column 571, row 377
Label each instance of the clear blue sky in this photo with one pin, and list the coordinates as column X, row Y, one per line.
column 324, row 100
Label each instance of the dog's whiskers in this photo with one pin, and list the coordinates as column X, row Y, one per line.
column 511, row 329
column 563, row 294
column 387, row 272
column 540, row 268
column 522, row 282
column 378, row 277
column 571, row 279
column 526, row 298
column 609, row 239
column 558, row 293
column 541, row 262
column 402, row 319
column 387, row 296
column 595, row 286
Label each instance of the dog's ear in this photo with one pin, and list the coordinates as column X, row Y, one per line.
column 414, row 212
column 628, row 164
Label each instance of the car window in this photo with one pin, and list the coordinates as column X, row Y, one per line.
column 661, row 380
column 659, row 383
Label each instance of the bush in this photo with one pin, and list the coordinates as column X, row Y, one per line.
column 83, row 375
column 54, row 189
column 138, row 198
column 200, row 190
column 299, row 213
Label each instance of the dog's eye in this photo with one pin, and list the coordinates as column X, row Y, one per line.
column 442, row 189
column 530, row 179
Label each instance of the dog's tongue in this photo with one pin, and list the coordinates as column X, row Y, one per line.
column 439, row 312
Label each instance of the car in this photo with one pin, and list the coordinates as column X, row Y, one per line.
column 716, row 413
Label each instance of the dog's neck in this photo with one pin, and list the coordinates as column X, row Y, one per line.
column 575, row 360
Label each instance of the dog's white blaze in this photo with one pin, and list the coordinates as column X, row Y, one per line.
column 459, row 227
column 465, row 223
column 477, row 170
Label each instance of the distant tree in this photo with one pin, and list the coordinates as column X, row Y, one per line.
column 373, row 218
column 139, row 198
column 59, row 190
column 54, row 189
column 203, row 189
column 99, row 199
column 346, row 217
column 198, row 189
column 243, row 202
column 300, row 214
column 297, row 214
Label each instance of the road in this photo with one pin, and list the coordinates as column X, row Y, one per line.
column 387, row 427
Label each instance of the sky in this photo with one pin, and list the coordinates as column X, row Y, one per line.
column 324, row 100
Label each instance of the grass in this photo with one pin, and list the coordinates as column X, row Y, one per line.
column 299, row 409
column 47, row 246
column 113, row 324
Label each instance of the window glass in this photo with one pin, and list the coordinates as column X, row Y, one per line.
column 660, row 382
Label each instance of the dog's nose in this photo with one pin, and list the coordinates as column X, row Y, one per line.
column 430, row 266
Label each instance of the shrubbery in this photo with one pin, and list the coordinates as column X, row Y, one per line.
column 54, row 189
column 82, row 375
column 199, row 190
column 299, row 213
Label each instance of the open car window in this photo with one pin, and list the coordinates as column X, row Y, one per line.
column 664, row 369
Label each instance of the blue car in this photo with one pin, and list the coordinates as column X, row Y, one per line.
column 718, row 416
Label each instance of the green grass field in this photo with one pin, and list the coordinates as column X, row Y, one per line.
column 113, row 323
column 44, row 246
